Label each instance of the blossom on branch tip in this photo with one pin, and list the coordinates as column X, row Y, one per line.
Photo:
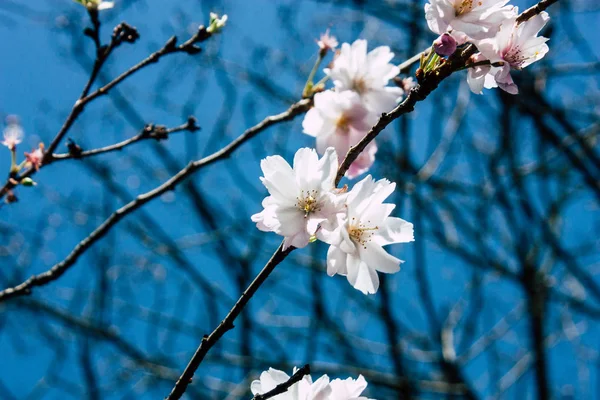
column 341, row 120
column 96, row 4
column 467, row 19
column 216, row 23
column 366, row 74
column 34, row 159
column 514, row 47
column 301, row 197
column 356, row 240
column 305, row 389
column 13, row 135
column 327, row 41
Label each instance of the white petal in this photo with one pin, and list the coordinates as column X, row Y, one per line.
column 361, row 276
column 394, row 230
column 378, row 259
column 336, row 261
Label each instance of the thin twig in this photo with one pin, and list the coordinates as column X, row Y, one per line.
column 122, row 33
column 60, row 268
column 226, row 325
column 150, row 131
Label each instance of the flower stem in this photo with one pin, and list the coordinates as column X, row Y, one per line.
column 307, row 91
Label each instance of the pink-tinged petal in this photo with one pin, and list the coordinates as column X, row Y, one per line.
column 320, row 389
column 378, row 259
column 363, row 162
column 299, row 240
column 336, row 261
column 534, row 25
column 314, row 124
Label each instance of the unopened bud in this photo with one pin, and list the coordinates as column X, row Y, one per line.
column 28, row 182
column 445, row 45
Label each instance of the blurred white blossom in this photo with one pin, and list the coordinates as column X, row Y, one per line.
column 366, row 74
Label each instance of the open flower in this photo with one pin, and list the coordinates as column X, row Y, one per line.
column 340, row 119
column 467, row 19
column 327, row 42
column 356, row 241
column 13, row 135
column 366, row 74
column 306, row 389
column 348, row 389
column 514, row 47
column 300, row 198
column 34, row 159
column 96, row 4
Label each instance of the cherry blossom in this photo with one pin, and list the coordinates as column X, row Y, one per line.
column 300, row 197
column 467, row 19
column 327, row 42
column 356, row 241
column 514, row 47
column 13, row 135
column 348, row 389
column 34, row 159
column 306, row 389
column 96, row 4
column 367, row 74
column 341, row 120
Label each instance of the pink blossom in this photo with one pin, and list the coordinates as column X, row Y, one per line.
column 514, row 47
column 13, row 135
column 467, row 19
column 340, row 120
column 34, row 158
column 327, row 42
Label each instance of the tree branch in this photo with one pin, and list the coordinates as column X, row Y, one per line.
column 60, row 268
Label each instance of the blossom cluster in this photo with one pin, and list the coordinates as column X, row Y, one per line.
column 306, row 389
column 303, row 205
column 342, row 116
column 503, row 42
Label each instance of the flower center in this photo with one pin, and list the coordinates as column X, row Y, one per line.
column 343, row 123
column 361, row 233
column 307, row 202
column 463, row 6
column 359, row 85
column 515, row 57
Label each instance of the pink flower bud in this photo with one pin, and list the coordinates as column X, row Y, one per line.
column 445, row 45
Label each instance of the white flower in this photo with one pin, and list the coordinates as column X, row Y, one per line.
column 356, row 242
column 300, row 198
column 13, row 135
column 96, row 4
column 306, row 389
column 340, row 119
column 327, row 41
column 366, row 74
column 216, row 23
column 516, row 46
column 467, row 19
column 349, row 389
